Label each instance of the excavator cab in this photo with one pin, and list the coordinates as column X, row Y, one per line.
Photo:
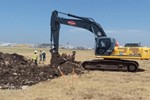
column 105, row 46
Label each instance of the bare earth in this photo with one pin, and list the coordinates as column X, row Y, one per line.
column 93, row 85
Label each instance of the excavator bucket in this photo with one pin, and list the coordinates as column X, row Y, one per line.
column 57, row 60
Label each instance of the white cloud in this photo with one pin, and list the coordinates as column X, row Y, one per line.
column 110, row 31
column 134, row 31
column 127, row 31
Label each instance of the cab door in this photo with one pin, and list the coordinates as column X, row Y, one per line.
column 105, row 46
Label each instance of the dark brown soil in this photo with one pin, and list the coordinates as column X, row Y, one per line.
column 57, row 60
column 17, row 71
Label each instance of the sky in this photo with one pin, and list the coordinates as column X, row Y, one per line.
column 28, row 21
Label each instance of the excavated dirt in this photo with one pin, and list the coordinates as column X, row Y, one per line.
column 57, row 60
column 17, row 71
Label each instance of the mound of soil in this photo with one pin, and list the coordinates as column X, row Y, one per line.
column 17, row 71
column 57, row 60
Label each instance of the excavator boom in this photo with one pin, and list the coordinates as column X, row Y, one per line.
column 81, row 22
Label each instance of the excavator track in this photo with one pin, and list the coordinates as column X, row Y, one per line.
column 111, row 64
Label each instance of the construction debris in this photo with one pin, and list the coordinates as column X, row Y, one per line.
column 17, row 72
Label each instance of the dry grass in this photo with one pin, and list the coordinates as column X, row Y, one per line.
column 93, row 85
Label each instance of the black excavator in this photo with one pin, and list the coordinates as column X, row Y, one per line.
column 105, row 47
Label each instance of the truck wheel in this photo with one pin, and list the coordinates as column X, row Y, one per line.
column 132, row 68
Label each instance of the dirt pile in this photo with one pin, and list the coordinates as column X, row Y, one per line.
column 17, row 71
column 57, row 59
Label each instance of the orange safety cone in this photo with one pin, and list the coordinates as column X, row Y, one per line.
column 117, row 44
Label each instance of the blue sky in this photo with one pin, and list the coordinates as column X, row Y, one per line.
column 28, row 21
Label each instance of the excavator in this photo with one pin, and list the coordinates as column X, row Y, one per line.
column 112, row 57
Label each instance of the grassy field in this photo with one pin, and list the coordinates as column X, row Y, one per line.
column 93, row 85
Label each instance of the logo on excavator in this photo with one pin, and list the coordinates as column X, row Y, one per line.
column 71, row 23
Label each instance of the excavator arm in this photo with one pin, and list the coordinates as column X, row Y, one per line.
column 81, row 22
